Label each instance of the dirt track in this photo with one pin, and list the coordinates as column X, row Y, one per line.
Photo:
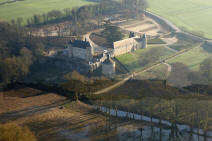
column 118, row 84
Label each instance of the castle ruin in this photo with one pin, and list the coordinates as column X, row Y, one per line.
column 81, row 49
column 84, row 50
column 109, row 66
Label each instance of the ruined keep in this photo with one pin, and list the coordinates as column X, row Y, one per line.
column 129, row 45
column 144, row 41
column 81, row 49
column 108, row 67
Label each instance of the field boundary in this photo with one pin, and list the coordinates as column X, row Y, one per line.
column 172, row 27
column 131, row 75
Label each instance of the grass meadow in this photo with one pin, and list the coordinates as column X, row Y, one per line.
column 144, row 57
column 158, row 72
column 192, row 15
column 27, row 8
column 4, row 1
column 192, row 59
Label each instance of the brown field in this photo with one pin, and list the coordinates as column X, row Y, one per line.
column 55, row 118
column 147, row 25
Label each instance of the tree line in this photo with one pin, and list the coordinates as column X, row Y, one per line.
column 84, row 13
column 17, row 52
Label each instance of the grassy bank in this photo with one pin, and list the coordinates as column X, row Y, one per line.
column 193, row 58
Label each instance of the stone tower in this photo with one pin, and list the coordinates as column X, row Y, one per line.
column 144, row 41
column 108, row 67
column 81, row 49
column 131, row 35
column 90, row 51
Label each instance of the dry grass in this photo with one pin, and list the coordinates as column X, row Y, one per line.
column 50, row 119
column 16, row 103
column 54, row 118
column 13, row 132
column 22, row 92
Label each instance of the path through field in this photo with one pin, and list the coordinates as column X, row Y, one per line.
column 171, row 49
column 169, row 69
column 131, row 75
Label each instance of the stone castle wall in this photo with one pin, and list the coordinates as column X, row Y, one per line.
column 96, row 65
column 119, row 48
column 125, row 49
column 82, row 53
column 108, row 69
column 129, row 45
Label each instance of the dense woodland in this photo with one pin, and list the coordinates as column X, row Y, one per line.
column 17, row 52
column 130, row 8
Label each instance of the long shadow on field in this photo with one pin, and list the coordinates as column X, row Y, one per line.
column 76, row 127
column 207, row 47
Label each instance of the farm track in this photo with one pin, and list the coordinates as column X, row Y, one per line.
column 169, row 69
column 173, row 50
column 14, row 115
column 167, row 47
column 8, row 2
column 131, row 75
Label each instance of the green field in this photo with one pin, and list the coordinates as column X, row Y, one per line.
column 27, row 8
column 193, row 15
column 144, row 57
column 158, row 72
column 192, row 59
column 3, row 1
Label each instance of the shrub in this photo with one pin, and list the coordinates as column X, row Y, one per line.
column 13, row 132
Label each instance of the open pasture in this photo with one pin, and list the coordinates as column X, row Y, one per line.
column 192, row 59
column 158, row 72
column 144, row 57
column 27, row 8
column 3, row 1
column 192, row 15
